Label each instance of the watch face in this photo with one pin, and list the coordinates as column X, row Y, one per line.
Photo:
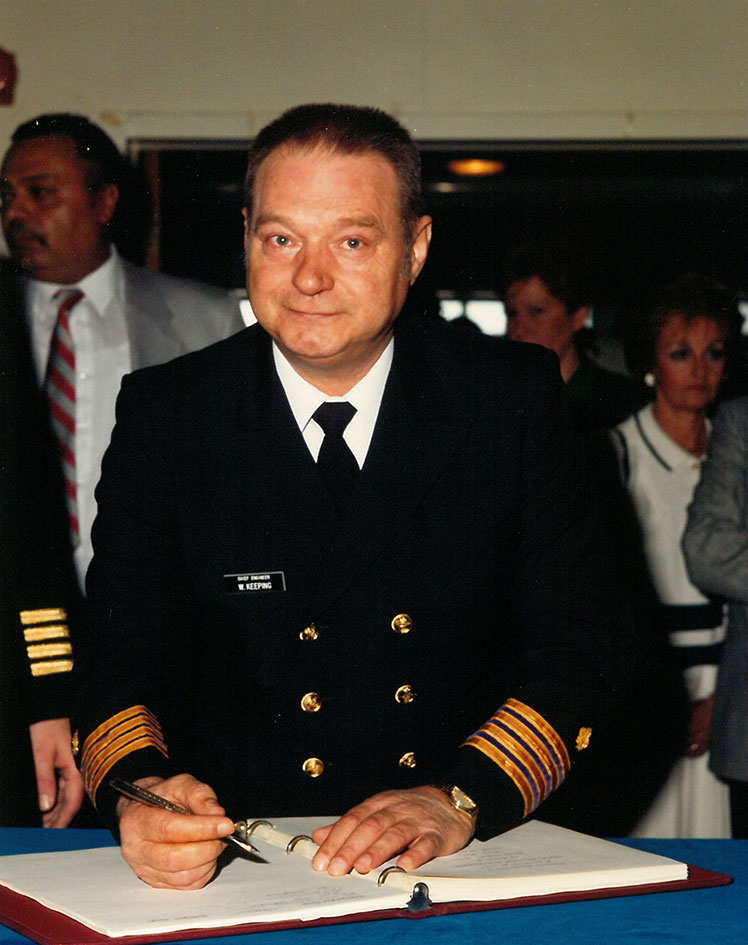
column 461, row 801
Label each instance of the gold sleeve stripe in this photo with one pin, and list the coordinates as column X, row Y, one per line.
column 41, row 625
column 125, row 732
column 43, row 650
column 524, row 734
column 96, row 754
column 50, row 667
column 546, row 731
column 118, row 751
column 502, row 756
column 113, row 759
column 526, row 748
column 44, row 615
column 99, row 766
column 100, row 753
column 522, row 747
column 52, row 632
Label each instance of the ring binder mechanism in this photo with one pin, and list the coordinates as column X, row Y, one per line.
column 419, row 901
column 294, row 840
column 256, row 823
column 385, row 873
column 577, row 863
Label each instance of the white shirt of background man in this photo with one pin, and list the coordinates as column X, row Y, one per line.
column 102, row 358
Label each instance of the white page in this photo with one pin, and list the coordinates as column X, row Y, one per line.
column 97, row 887
column 533, row 859
column 537, row 858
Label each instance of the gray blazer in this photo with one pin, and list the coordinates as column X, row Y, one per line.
column 168, row 317
column 715, row 544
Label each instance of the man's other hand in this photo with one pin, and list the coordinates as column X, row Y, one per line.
column 174, row 851
column 420, row 824
column 58, row 781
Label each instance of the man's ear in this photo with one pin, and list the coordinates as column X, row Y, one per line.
column 106, row 202
column 579, row 317
column 420, row 248
column 245, row 214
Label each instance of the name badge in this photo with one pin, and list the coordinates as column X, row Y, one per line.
column 254, row 583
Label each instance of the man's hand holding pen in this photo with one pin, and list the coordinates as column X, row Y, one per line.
column 174, row 851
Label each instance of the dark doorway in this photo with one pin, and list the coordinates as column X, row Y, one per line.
column 639, row 211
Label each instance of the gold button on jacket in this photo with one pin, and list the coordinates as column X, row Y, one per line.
column 405, row 694
column 402, row 623
column 311, row 702
column 313, row 767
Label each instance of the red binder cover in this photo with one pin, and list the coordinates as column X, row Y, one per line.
column 48, row 927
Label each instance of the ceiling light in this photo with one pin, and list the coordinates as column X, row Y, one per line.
column 475, row 167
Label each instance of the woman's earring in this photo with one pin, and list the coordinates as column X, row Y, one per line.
column 649, row 379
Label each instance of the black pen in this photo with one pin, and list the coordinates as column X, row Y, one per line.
column 136, row 793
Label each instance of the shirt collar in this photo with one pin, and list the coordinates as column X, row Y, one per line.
column 658, row 441
column 365, row 396
column 99, row 286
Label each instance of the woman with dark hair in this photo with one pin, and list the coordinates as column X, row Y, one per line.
column 547, row 302
column 678, row 346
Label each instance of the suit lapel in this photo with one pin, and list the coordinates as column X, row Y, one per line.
column 149, row 321
column 277, row 490
column 418, row 427
column 281, row 494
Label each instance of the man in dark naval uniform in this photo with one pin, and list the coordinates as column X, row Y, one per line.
column 344, row 560
column 39, row 781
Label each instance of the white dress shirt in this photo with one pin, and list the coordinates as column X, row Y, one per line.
column 102, row 357
column 365, row 396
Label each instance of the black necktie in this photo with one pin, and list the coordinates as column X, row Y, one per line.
column 335, row 461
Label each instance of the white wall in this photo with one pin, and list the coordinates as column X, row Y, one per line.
column 446, row 68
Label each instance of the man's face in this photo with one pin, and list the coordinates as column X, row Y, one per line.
column 328, row 266
column 53, row 225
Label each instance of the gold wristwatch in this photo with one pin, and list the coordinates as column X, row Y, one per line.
column 461, row 802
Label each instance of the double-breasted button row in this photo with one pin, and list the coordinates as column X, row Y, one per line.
column 311, row 701
column 313, row 767
column 400, row 623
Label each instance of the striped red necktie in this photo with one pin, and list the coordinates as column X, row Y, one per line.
column 59, row 386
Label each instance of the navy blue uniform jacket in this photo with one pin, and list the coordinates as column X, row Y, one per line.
column 39, row 594
column 224, row 595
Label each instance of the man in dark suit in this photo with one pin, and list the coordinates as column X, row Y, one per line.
column 38, row 596
column 426, row 648
column 61, row 184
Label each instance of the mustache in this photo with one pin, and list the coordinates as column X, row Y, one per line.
column 17, row 230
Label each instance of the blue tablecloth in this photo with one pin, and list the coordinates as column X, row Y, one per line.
column 717, row 916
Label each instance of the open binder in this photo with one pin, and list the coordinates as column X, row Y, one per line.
column 90, row 896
